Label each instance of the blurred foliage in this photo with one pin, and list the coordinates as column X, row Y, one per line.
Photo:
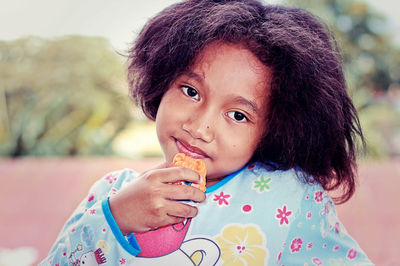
column 61, row 97
column 68, row 96
column 372, row 68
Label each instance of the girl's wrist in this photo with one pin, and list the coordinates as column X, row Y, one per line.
column 115, row 212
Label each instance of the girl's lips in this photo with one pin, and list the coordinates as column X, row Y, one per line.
column 189, row 150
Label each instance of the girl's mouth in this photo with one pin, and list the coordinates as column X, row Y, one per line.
column 190, row 150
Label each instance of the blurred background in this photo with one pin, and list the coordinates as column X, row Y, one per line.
column 66, row 117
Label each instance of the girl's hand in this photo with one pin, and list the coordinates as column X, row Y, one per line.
column 152, row 200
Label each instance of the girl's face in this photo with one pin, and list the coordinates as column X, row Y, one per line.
column 216, row 110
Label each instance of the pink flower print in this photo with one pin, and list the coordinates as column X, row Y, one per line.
column 73, row 230
column 352, row 254
column 92, row 211
column 122, row 261
column 240, row 249
column 104, row 230
column 113, row 191
column 336, row 248
column 337, row 228
column 279, row 257
column 307, row 197
column 318, row 196
column 317, row 261
column 90, row 197
column 296, row 245
column 111, row 178
column 222, row 198
column 309, row 215
column 282, row 215
column 309, row 246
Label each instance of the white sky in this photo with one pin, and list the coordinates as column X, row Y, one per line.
column 117, row 20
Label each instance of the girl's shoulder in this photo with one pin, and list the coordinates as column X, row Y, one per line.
column 314, row 231
column 270, row 187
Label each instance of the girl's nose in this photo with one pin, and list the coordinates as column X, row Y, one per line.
column 200, row 127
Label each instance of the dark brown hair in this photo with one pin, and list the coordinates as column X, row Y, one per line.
column 311, row 122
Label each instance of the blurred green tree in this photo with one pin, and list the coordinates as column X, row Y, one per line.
column 64, row 96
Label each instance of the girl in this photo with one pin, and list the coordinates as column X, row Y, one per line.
column 258, row 93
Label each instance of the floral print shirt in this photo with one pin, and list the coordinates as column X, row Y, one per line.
column 255, row 216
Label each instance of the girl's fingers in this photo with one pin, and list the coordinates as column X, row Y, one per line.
column 175, row 220
column 184, row 192
column 182, row 210
column 184, row 174
column 174, row 174
column 176, row 212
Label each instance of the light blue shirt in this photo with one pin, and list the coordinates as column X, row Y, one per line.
column 256, row 216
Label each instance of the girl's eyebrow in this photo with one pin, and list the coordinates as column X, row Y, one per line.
column 251, row 104
column 193, row 75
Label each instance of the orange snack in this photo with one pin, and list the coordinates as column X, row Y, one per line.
column 197, row 165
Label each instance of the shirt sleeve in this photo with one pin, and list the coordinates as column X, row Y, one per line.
column 317, row 237
column 91, row 234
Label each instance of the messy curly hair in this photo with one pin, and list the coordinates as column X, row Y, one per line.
column 311, row 123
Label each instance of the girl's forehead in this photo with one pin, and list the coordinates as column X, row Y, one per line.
column 234, row 61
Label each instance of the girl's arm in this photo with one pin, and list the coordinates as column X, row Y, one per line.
column 92, row 233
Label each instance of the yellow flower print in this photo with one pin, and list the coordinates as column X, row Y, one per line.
column 242, row 245
column 103, row 245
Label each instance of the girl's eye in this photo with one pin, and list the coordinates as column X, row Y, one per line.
column 190, row 92
column 237, row 116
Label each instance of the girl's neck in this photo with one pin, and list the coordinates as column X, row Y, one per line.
column 213, row 181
